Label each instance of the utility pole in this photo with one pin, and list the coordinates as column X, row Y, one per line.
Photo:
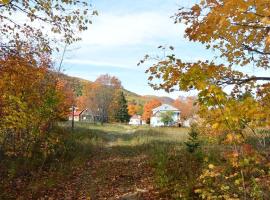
column 72, row 122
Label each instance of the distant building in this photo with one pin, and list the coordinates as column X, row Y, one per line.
column 88, row 116
column 156, row 119
column 77, row 115
column 136, row 120
column 85, row 115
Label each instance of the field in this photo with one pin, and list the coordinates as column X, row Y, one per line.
column 99, row 162
column 123, row 157
column 115, row 161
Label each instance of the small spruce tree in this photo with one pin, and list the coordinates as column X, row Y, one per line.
column 193, row 142
column 121, row 114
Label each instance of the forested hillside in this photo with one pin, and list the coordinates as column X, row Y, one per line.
column 78, row 83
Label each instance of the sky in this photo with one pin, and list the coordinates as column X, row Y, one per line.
column 122, row 34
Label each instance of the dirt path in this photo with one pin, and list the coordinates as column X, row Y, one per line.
column 116, row 172
column 116, row 176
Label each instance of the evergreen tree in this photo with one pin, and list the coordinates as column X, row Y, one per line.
column 121, row 114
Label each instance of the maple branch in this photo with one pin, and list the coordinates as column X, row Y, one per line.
column 250, row 26
column 241, row 81
column 246, row 47
column 254, row 78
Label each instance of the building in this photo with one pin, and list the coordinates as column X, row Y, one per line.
column 88, row 116
column 77, row 115
column 136, row 120
column 85, row 115
column 156, row 119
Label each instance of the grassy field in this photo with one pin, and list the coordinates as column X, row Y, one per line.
column 128, row 159
column 115, row 161
column 99, row 162
column 125, row 135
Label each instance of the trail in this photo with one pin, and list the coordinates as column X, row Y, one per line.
column 115, row 172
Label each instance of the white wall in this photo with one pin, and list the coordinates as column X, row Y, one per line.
column 135, row 122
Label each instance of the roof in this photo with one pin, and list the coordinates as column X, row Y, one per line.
column 165, row 107
column 136, row 117
column 76, row 113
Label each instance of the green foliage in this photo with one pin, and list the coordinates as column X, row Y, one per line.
column 121, row 113
column 167, row 117
column 193, row 142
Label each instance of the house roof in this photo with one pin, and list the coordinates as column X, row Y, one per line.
column 76, row 113
column 165, row 107
column 136, row 117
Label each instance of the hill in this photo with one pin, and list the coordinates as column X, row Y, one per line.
column 78, row 83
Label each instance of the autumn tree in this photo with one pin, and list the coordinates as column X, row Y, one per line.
column 81, row 102
column 135, row 109
column 236, row 30
column 186, row 106
column 25, row 24
column 238, row 33
column 32, row 99
column 148, row 107
column 132, row 109
column 100, row 95
column 109, row 81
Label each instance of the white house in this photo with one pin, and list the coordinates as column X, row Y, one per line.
column 136, row 120
column 156, row 115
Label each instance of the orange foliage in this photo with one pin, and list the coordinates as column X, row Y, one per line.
column 110, row 81
column 100, row 97
column 186, row 106
column 133, row 109
column 81, row 102
column 31, row 99
column 66, row 98
column 148, row 107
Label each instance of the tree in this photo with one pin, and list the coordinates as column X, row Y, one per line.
column 134, row 109
column 110, row 81
column 238, row 32
column 167, row 117
column 121, row 113
column 63, row 19
column 81, row 102
column 148, row 107
column 100, row 95
column 186, row 106
column 32, row 99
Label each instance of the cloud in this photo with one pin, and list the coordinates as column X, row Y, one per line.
column 98, row 63
column 131, row 29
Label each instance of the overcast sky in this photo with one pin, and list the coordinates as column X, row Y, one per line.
column 122, row 34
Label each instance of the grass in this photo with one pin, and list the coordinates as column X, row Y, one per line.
column 120, row 135
column 107, row 161
column 119, row 144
